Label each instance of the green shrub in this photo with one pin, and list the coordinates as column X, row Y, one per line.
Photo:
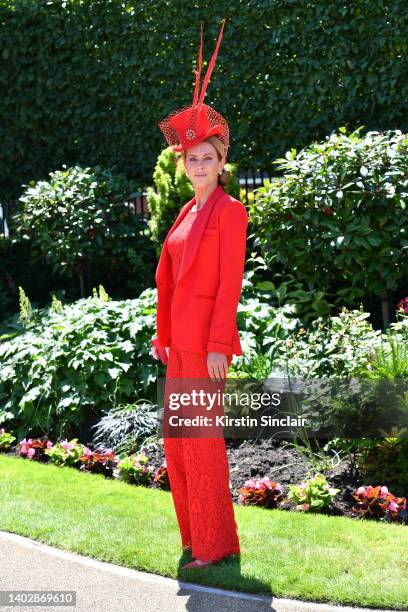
column 385, row 461
column 66, row 453
column 134, row 469
column 19, row 267
column 124, row 427
column 332, row 230
column 69, row 362
column 6, row 439
column 312, row 495
column 105, row 71
column 79, row 223
column 334, row 346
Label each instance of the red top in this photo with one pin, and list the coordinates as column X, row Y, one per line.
column 176, row 244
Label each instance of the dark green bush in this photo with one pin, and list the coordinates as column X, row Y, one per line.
column 64, row 365
column 79, row 222
column 385, row 461
column 124, row 428
column 333, row 229
column 20, row 267
column 90, row 80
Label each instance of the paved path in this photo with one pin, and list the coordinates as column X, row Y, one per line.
column 104, row 587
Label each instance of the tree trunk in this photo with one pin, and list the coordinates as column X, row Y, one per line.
column 385, row 307
column 82, row 284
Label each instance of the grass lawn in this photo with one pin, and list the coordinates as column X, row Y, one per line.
column 286, row 554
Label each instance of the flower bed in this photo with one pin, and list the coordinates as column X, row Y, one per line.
column 291, row 489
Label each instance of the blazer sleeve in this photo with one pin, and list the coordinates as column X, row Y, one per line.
column 233, row 224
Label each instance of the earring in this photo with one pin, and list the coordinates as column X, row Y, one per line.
column 221, row 171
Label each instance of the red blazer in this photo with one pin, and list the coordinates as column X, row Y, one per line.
column 201, row 316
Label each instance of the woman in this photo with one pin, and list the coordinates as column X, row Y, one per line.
column 199, row 281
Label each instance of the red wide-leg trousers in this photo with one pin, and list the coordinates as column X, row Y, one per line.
column 198, row 472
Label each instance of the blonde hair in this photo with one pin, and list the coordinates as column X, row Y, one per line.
column 224, row 178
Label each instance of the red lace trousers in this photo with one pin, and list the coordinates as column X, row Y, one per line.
column 198, row 472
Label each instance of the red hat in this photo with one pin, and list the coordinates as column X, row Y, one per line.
column 190, row 125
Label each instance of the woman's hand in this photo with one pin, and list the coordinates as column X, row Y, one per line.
column 217, row 366
column 156, row 355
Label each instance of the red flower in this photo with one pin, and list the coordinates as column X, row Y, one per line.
column 403, row 305
column 327, row 211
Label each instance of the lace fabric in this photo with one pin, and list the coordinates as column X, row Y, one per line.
column 176, row 244
column 198, row 468
column 198, row 472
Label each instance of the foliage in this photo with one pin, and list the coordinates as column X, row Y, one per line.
column 265, row 325
column 261, row 492
column 79, row 220
column 6, row 439
column 66, row 453
column 246, row 197
column 20, row 267
column 385, row 460
column 335, row 224
column 125, row 426
column 6, row 302
column 378, row 502
column 134, row 469
column 172, row 190
column 337, row 346
column 314, row 494
column 334, row 346
column 106, row 72
column 74, row 360
column 389, row 359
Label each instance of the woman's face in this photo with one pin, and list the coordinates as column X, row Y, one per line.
column 202, row 165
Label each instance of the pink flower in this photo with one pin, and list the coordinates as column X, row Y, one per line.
column 24, row 446
column 306, row 507
column 360, row 490
column 383, row 490
column 49, row 444
column 31, row 453
column 393, row 507
column 403, row 305
column 66, row 445
column 303, row 485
